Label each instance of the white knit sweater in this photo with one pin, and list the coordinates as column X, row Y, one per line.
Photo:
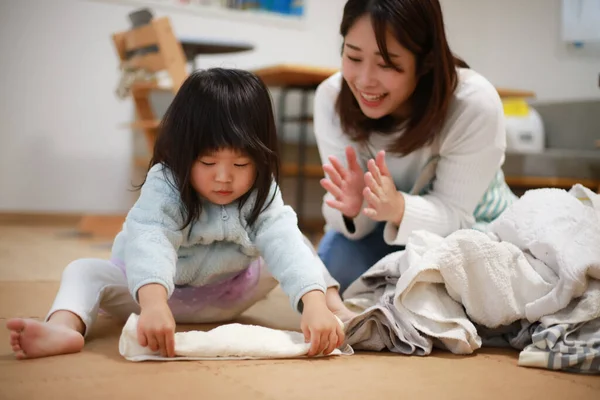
column 472, row 146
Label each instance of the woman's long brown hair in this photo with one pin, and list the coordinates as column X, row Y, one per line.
column 418, row 26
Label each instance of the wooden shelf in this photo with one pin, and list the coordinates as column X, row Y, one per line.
column 147, row 86
column 141, row 124
column 310, row 170
column 536, row 182
column 294, row 75
column 506, row 93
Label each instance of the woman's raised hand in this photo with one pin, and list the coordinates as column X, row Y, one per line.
column 345, row 184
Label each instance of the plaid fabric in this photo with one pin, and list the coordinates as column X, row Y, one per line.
column 568, row 347
column 496, row 199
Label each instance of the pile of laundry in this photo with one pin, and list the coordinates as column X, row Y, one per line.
column 531, row 281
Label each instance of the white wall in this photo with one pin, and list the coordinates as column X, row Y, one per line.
column 517, row 43
column 60, row 145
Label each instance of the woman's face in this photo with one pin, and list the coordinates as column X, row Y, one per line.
column 379, row 89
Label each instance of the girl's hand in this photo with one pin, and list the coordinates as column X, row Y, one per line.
column 385, row 203
column 345, row 184
column 156, row 325
column 320, row 327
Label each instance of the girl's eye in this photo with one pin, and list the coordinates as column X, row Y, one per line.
column 353, row 59
column 241, row 165
column 207, row 163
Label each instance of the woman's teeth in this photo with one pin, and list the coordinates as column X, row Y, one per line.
column 372, row 97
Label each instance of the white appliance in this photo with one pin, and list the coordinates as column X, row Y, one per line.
column 525, row 133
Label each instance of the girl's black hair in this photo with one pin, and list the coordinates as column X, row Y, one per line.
column 215, row 109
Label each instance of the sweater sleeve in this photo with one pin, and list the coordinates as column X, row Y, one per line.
column 332, row 141
column 471, row 153
column 287, row 256
column 153, row 234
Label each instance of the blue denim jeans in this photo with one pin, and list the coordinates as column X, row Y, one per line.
column 348, row 259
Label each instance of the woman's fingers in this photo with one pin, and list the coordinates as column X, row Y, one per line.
column 381, row 163
column 373, row 185
column 338, row 205
column 374, row 170
column 339, row 167
column 332, row 188
column 371, row 199
column 371, row 213
column 332, row 174
column 352, row 160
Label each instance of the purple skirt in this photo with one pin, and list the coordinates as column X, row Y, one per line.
column 224, row 294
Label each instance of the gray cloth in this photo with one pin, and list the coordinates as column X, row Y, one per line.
column 516, row 335
column 380, row 326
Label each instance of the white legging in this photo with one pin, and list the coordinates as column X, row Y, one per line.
column 88, row 285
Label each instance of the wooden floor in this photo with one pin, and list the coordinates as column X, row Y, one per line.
column 31, row 262
column 40, row 253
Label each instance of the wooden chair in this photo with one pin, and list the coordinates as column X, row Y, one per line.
column 153, row 48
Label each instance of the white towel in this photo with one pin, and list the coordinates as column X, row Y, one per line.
column 561, row 230
column 494, row 281
column 226, row 342
column 541, row 254
column 467, row 271
column 421, row 296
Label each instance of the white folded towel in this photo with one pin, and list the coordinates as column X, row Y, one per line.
column 226, row 342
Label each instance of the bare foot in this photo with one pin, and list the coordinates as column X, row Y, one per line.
column 32, row 339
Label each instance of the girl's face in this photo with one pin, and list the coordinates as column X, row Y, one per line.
column 223, row 176
column 379, row 89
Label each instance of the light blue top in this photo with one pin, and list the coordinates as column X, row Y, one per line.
column 216, row 246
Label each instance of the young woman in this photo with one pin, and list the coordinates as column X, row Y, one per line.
column 409, row 136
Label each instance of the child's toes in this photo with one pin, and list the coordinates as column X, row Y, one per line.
column 16, row 348
column 20, row 355
column 14, row 337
